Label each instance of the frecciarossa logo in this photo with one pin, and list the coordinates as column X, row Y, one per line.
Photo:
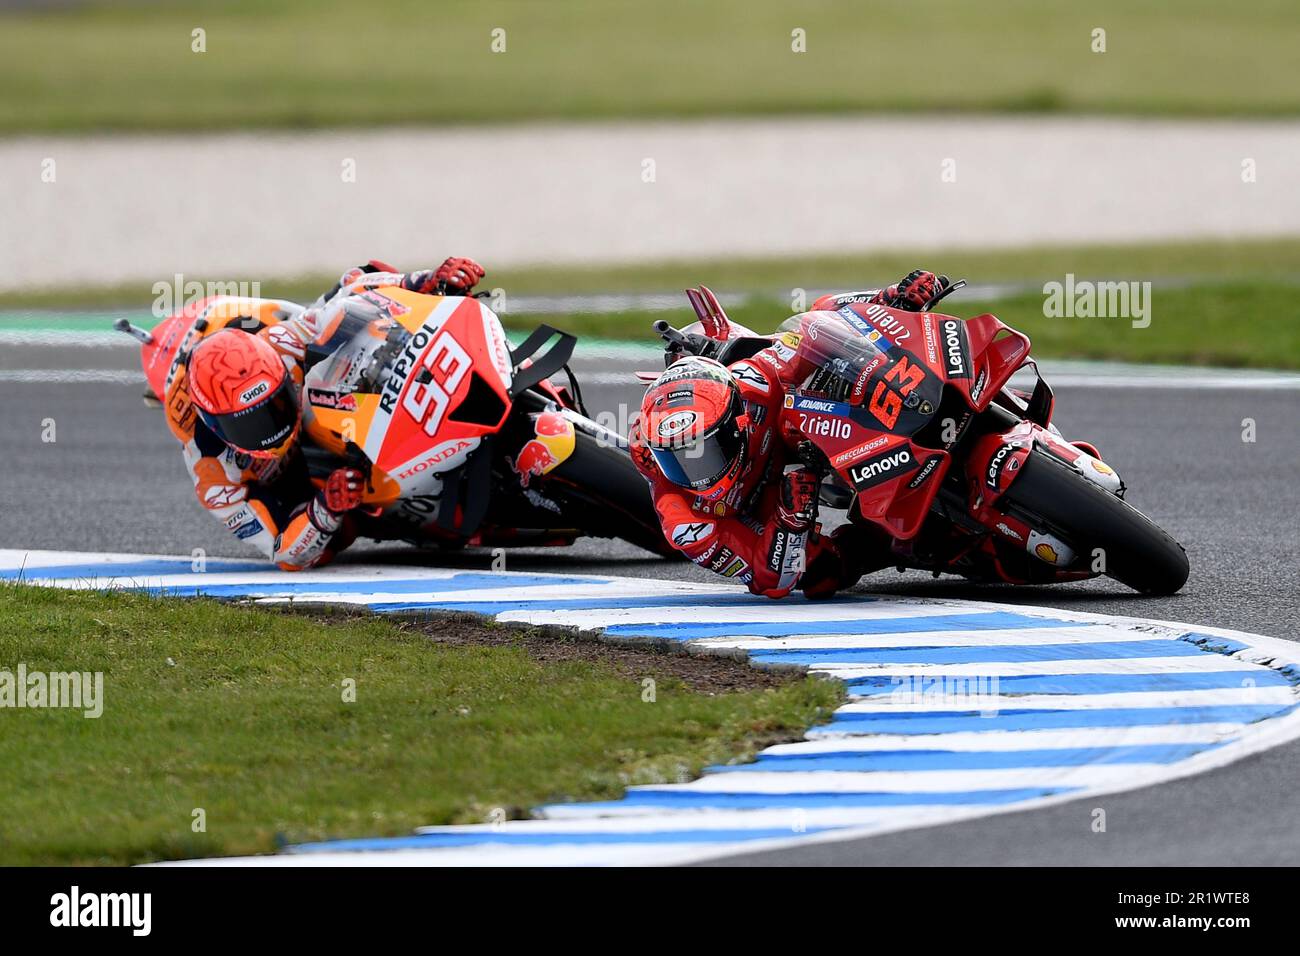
column 883, row 467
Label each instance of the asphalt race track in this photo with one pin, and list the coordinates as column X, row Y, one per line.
column 113, row 481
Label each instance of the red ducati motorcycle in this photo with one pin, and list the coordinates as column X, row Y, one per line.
column 910, row 420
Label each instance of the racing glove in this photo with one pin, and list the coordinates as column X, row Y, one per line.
column 914, row 290
column 798, row 508
column 457, row 275
column 342, row 492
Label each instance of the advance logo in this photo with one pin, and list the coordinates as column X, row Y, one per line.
column 103, row 909
column 882, row 468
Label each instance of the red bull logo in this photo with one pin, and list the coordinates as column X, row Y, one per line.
column 552, row 445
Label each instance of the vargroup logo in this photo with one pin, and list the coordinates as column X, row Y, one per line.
column 76, row 690
column 74, row 908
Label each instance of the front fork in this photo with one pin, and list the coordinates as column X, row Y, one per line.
column 992, row 463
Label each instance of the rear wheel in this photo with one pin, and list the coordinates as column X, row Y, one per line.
column 1052, row 497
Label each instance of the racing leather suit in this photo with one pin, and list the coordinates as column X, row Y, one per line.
column 738, row 535
column 272, row 504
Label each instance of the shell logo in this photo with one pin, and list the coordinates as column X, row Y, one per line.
column 1101, row 467
column 1046, row 552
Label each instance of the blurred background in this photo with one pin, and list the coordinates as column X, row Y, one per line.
column 624, row 147
column 598, row 156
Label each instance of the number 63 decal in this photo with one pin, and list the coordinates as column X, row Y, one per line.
column 446, row 363
column 885, row 404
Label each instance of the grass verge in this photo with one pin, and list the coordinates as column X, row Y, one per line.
column 240, row 712
column 1227, row 324
column 302, row 63
column 1198, row 261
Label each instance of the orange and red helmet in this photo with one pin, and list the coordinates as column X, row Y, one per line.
column 693, row 421
column 242, row 390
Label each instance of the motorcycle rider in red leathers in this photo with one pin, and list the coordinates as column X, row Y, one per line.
column 709, row 442
column 237, row 411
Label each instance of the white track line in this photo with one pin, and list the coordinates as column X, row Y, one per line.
column 980, row 768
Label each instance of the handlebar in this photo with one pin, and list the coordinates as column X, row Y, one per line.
column 942, row 293
column 679, row 343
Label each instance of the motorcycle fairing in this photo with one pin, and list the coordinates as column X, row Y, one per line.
column 418, row 383
column 993, row 358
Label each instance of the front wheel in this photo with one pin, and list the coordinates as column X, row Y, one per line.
column 1052, row 497
column 602, row 492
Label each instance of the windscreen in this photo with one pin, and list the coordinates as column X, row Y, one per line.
column 843, row 354
column 357, row 351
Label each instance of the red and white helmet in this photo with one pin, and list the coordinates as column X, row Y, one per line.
column 693, row 421
column 243, row 392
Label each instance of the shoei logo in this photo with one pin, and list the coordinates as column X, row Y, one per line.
column 677, row 424
column 261, row 388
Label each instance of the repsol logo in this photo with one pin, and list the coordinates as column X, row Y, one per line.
column 954, row 349
column 998, row 461
column 881, row 468
column 406, row 361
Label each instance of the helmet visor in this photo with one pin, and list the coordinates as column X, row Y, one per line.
column 259, row 428
column 704, row 462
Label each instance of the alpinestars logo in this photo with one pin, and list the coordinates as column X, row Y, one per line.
column 954, row 348
column 687, row 534
column 882, row 468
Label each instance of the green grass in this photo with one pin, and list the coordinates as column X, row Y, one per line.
column 1228, row 324
column 1201, row 260
column 1229, row 303
column 240, row 712
column 306, row 63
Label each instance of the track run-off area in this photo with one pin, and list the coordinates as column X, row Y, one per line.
column 956, row 709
